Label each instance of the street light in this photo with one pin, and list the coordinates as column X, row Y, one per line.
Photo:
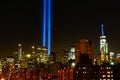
column 73, row 64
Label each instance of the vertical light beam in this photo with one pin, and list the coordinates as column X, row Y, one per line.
column 102, row 29
column 44, row 23
column 49, row 27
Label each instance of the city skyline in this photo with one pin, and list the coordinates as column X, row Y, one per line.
column 21, row 22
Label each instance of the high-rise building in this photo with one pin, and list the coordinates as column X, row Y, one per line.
column 84, row 46
column 103, row 46
column 68, row 54
column 95, row 72
column 65, row 56
column 19, row 52
column 53, row 57
column 33, row 49
column 71, row 53
column 117, row 58
column 34, row 54
column 112, row 58
column 15, row 55
column 42, row 56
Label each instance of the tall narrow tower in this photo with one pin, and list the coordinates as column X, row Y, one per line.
column 20, row 55
column 46, row 37
column 103, row 46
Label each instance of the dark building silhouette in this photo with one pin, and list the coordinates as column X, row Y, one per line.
column 84, row 59
column 53, row 57
column 84, row 46
column 65, row 57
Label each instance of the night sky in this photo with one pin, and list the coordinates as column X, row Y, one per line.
column 21, row 21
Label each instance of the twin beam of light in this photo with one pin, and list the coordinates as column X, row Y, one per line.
column 102, row 29
column 47, row 24
column 44, row 23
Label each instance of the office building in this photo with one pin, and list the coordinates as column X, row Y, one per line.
column 104, row 47
column 71, row 53
column 42, row 55
column 20, row 53
column 112, row 58
column 53, row 57
column 94, row 72
column 65, row 57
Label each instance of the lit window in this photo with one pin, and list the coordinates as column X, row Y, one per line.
column 76, row 71
column 111, row 71
column 111, row 75
column 84, row 72
column 103, row 75
column 83, row 67
column 72, row 49
column 108, row 72
column 107, row 68
column 104, row 79
column 108, row 79
column 108, row 75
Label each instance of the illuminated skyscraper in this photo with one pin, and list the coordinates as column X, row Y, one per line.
column 103, row 46
column 47, row 25
column 34, row 53
column 42, row 56
column 20, row 53
column 71, row 53
column 112, row 58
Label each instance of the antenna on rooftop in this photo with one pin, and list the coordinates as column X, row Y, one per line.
column 102, row 29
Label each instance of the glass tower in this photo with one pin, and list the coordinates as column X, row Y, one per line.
column 103, row 46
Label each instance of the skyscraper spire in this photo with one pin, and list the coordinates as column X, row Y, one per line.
column 103, row 46
column 102, row 29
